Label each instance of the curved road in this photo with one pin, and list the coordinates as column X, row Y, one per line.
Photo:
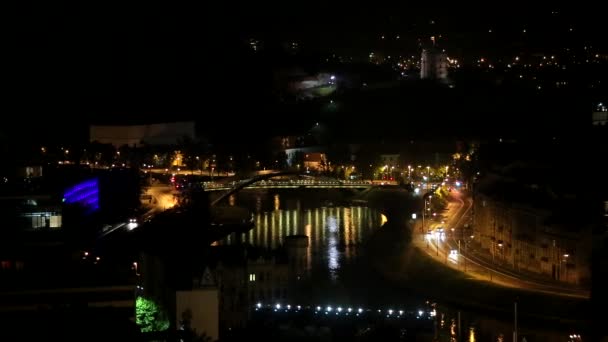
column 445, row 249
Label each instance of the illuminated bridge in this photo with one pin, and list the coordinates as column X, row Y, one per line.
column 289, row 184
column 264, row 181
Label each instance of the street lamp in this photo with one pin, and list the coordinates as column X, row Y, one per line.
column 566, row 256
column 502, row 253
column 428, row 172
column 424, row 211
column 135, row 268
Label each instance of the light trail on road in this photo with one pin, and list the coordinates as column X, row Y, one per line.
column 485, row 271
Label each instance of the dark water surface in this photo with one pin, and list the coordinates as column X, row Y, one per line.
column 352, row 250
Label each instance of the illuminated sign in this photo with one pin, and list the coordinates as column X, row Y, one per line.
column 85, row 193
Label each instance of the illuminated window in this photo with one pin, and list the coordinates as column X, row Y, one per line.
column 251, row 276
column 43, row 219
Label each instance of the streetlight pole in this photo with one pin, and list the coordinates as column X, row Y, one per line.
column 459, row 252
column 428, row 179
column 423, row 213
column 465, row 259
column 565, row 268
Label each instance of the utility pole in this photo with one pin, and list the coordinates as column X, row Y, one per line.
column 423, row 213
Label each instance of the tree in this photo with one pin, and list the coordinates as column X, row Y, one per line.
column 191, row 149
column 149, row 316
column 101, row 153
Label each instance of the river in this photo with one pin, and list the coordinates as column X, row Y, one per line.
column 351, row 251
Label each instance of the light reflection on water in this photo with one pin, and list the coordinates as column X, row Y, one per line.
column 472, row 334
column 333, row 257
column 336, row 235
column 334, row 232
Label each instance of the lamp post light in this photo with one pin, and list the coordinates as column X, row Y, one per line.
column 424, row 211
column 566, row 256
column 502, row 255
column 136, row 268
column 428, row 173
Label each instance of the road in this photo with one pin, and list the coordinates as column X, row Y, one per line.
column 196, row 172
column 444, row 248
column 163, row 197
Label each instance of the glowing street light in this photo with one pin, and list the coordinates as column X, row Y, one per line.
column 135, row 267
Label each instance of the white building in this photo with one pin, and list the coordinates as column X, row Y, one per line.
column 600, row 115
column 137, row 135
column 433, row 64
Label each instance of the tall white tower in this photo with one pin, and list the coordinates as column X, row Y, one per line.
column 433, row 64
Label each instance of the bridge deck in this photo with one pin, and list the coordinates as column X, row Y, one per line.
column 209, row 186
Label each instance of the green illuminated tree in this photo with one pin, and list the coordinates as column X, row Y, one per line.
column 149, row 316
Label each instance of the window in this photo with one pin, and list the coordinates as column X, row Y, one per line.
column 251, row 276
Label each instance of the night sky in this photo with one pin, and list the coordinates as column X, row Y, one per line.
column 152, row 61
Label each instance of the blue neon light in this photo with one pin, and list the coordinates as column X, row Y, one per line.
column 85, row 193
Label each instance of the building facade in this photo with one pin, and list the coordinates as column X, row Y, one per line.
column 527, row 238
column 600, row 115
column 433, row 65
column 258, row 277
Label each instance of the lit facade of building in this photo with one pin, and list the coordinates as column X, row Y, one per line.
column 600, row 115
column 33, row 212
column 269, row 277
column 530, row 238
column 433, row 65
column 315, row 161
column 312, row 158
